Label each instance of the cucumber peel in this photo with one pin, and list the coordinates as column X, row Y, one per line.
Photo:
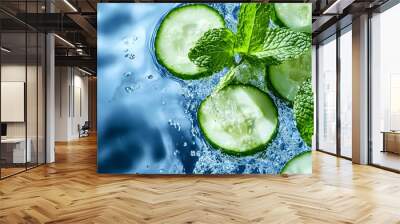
column 300, row 164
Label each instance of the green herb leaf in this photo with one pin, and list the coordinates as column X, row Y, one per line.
column 281, row 45
column 303, row 109
column 253, row 23
column 214, row 50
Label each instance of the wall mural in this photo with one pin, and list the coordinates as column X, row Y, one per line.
column 204, row 88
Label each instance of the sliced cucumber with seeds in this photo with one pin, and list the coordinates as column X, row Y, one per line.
column 238, row 119
column 296, row 16
column 286, row 78
column 300, row 164
column 179, row 32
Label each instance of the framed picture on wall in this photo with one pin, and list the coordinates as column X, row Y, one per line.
column 12, row 101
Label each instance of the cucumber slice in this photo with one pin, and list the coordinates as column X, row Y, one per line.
column 300, row 164
column 286, row 78
column 296, row 16
column 238, row 119
column 179, row 32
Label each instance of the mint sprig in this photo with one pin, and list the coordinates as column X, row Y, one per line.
column 255, row 40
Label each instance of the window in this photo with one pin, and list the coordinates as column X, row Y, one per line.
column 346, row 92
column 22, row 77
column 385, row 89
column 327, row 95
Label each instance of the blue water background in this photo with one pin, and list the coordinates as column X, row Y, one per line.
column 147, row 118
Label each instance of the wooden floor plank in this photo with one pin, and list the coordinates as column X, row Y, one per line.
column 70, row 191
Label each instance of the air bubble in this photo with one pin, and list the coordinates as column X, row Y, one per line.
column 174, row 124
column 131, row 56
column 129, row 89
column 127, row 74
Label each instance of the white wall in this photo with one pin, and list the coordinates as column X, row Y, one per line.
column 62, row 82
column 80, row 110
column 71, row 102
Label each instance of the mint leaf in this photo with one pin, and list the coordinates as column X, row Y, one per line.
column 281, row 45
column 214, row 50
column 253, row 24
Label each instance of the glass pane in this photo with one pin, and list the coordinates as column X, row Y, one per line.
column 13, row 89
column 31, row 88
column 31, row 100
column 41, row 99
column 346, row 94
column 327, row 96
column 385, row 86
column 314, row 78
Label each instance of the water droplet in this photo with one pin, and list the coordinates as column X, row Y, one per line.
column 129, row 89
column 163, row 102
column 131, row 56
column 192, row 153
column 127, row 74
column 184, row 144
column 150, row 77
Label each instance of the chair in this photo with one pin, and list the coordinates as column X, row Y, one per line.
column 84, row 129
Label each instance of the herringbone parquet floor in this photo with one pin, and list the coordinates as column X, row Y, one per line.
column 70, row 191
